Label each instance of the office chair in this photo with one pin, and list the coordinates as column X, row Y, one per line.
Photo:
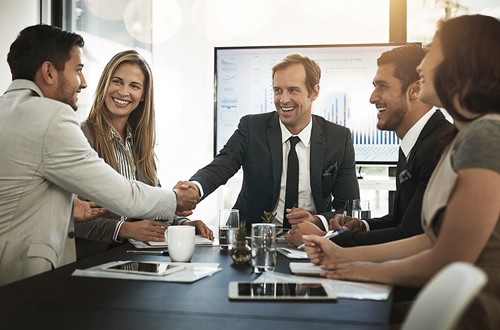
column 441, row 303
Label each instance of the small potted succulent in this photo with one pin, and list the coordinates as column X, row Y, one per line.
column 241, row 253
column 268, row 217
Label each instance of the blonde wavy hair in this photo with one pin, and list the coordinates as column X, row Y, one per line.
column 141, row 120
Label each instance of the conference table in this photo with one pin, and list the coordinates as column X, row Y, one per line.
column 58, row 300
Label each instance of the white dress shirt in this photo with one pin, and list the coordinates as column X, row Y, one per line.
column 303, row 149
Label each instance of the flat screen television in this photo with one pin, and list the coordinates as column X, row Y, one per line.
column 243, row 85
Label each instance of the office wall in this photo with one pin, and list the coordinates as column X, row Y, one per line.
column 184, row 67
column 183, row 64
column 16, row 15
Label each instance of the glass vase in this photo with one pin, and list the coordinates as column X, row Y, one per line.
column 241, row 253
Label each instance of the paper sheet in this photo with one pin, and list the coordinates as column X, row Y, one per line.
column 198, row 240
column 192, row 272
column 343, row 289
column 292, row 253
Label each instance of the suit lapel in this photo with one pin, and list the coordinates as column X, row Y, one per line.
column 317, row 157
column 429, row 127
column 276, row 149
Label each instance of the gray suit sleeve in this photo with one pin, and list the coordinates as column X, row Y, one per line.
column 71, row 163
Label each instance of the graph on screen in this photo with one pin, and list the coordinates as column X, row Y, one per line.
column 243, row 85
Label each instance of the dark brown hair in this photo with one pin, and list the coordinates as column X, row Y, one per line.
column 37, row 44
column 470, row 71
column 405, row 59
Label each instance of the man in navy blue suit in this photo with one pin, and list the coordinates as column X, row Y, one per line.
column 395, row 96
column 325, row 152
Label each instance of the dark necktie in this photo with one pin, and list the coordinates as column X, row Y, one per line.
column 292, row 179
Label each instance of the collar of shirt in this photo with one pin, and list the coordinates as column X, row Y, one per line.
column 304, row 135
column 411, row 136
column 128, row 136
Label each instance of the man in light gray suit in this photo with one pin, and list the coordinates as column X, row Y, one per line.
column 46, row 158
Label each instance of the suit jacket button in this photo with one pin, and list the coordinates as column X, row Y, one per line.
column 71, row 234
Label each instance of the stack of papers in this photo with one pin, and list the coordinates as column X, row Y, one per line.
column 192, row 272
column 198, row 240
column 305, row 268
column 292, row 253
column 343, row 289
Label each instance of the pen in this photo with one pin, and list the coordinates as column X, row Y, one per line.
column 294, row 207
column 291, row 211
column 344, row 214
column 329, row 234
column 156, row 253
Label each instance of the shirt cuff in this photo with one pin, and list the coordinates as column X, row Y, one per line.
column 367, row 226
column 199, row 187
column 179, row 221
column 324, row 222
column 117, row 230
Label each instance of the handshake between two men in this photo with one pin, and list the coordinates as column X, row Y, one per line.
column 188, row 195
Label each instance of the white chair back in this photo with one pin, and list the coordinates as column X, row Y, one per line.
column 443, row 300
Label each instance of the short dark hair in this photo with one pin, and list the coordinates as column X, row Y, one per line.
column 37, row 44
column 470, row 71
column 406, row 60
column 313, row 71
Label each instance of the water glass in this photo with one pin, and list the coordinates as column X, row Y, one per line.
column 263, row 247
column 229, row 222
column 361, row 209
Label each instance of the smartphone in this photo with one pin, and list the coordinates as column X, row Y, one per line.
column 280, row 291
column 145, row 268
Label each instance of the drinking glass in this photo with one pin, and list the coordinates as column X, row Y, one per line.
column 361, row 209
column 263, row 247
column 229, row 222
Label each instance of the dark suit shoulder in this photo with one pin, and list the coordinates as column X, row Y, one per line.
column 261, row 118
column 431, row 141
column 437, row 126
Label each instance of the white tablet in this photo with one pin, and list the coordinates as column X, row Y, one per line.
column 280, row 291
column 145, row 268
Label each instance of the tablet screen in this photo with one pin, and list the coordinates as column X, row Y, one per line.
column 147, row 268
column 286, row 291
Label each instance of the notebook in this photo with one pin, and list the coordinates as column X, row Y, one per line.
column 198, row 240
column 292, row 253
column 305, row 268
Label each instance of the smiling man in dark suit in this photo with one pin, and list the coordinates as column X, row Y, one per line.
column 420, row 129
column 260, row 145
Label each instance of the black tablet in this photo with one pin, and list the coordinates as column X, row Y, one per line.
column 280, row 291
column 145, row 268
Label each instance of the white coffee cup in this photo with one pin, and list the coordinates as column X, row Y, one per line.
column 180, row 240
